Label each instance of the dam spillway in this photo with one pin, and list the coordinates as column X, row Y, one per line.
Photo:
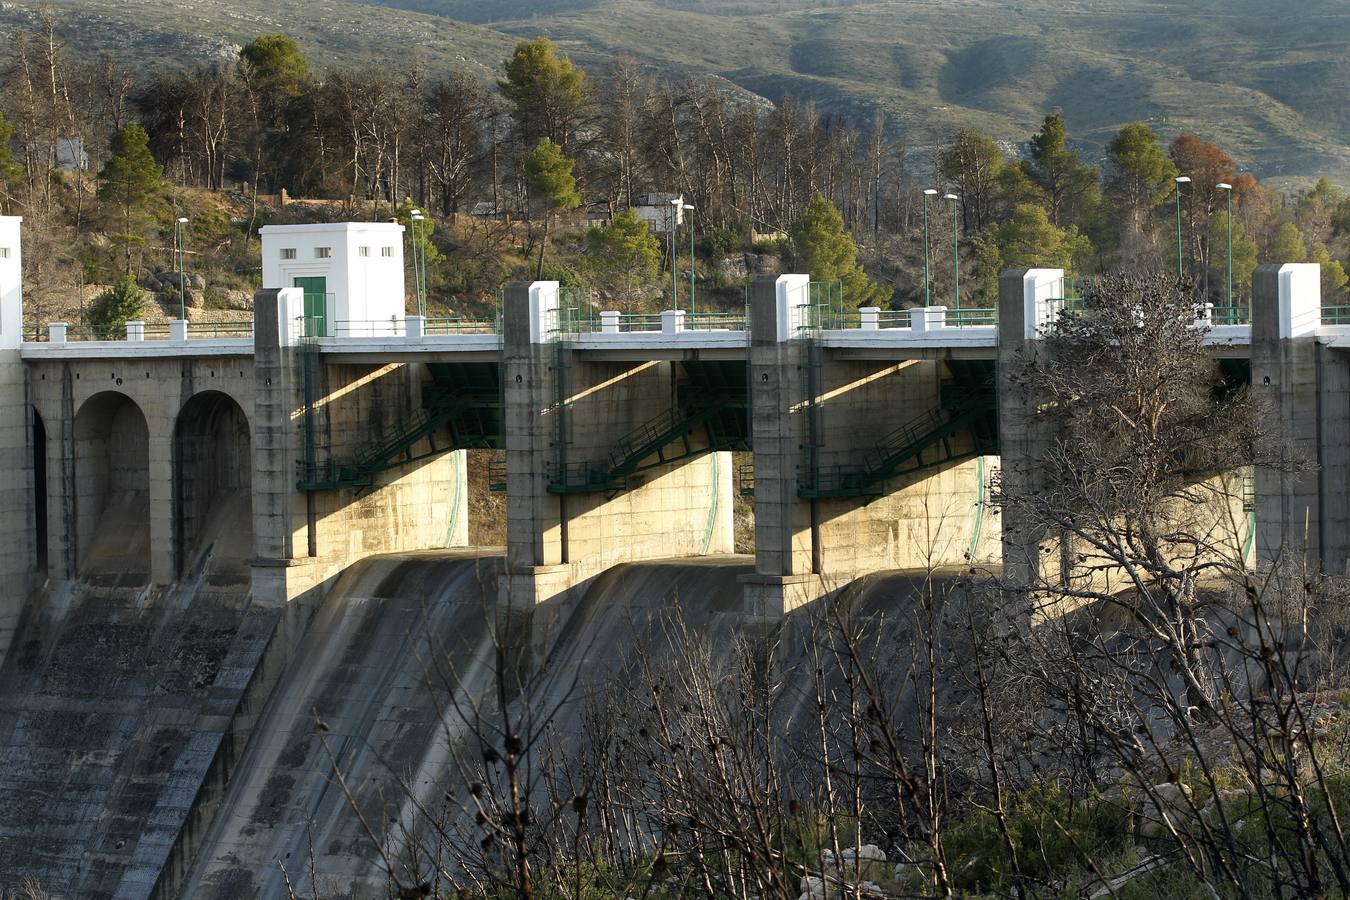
column 211, row 544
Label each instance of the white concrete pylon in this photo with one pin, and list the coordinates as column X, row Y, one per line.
column 11, row 283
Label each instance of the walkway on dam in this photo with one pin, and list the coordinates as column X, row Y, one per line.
column 919, row 332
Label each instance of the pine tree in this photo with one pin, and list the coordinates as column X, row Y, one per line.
column 128, row 182
column 546, row 92
column 624, row 254
column 1070, row 185
column 9, row 169
column 825, row 250
column 1138, row 177
column 1288, row 246
column 114, row 308
column 1030, row 240
column 548, row 173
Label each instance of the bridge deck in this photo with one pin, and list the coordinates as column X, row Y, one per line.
column 967, row 341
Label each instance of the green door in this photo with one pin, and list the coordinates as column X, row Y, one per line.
column 316, row 307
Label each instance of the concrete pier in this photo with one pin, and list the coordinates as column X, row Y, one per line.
column 18, row 550
column 865, row 459
column 1303, row 521
column 575, row 424
column 1028, row 302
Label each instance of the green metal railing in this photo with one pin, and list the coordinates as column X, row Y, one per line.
column 1230, row 315
column 1336, row 315
column 461, row 325
column 151, row 331
column 971, row 318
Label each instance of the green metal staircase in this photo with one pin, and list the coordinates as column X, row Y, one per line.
column 461, row 409
column 969, row 404
column 712, row 414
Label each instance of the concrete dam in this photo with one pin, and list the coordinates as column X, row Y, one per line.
column 230, row 561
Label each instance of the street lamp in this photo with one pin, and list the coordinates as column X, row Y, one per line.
column 675, row 206
column 956, row 249
column 1181, row 179
column 182, row 264
column 1228, row 189
column 690, row 210
column 928, row 192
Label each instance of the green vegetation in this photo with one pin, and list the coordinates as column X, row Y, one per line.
column 982, row 65
column 624, row 255
column 548, row 172
column 546, row 92
column 128, row 182
column 825, row 250
column 506, row 153
column 122, row 303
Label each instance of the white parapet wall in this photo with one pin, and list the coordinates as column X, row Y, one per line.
column 16, row 510
column 361, row 264
column 11, row 283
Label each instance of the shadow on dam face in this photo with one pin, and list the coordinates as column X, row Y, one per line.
column 112, row 491
column 213, row 467
column 399, row 658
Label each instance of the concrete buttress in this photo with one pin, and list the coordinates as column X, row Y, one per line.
column 1301, row 507
column 18, row 528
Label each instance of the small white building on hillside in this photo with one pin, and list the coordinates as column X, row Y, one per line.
column 660, row 211
column 351, row 272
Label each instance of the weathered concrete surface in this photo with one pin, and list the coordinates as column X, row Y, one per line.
column 113, row 706
column 306, row 540
column 563, row 410
column 17, row 527
column 370, row 667
column 111, row 434
column 817, row 413
column 386, row 651
column 1303, row 509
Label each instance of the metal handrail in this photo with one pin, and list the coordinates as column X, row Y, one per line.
column 1230, row 315
column 971, row 318
column 1336, row 315
column 461, row 325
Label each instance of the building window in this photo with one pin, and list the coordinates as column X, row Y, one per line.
column 288, row 253
column 323, row 252
column 386, row 251
column 362, row 251
column 4, row 253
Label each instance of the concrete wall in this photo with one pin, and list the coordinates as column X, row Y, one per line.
column 213, row 456
column 1302, row 505
column 806, row 547
column 304, row 539
column 16, row 487
column 411, row 506
column 110, row 481
column 564, row 409
column 158, row 389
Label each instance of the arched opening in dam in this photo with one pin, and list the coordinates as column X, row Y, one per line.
column 39, row 494
column 112, row 489
column 213, row 466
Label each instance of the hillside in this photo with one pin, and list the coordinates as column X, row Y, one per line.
column 1270, row 89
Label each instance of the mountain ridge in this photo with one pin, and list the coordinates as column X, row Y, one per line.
column 1269, row 89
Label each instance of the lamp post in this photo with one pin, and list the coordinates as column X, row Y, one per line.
column 415, row 218
column 182, row 264
column 1228, row 189
column 1181, row 179
column 675, row 206
column 690, row 209
column 956, row 250
column 928, row 192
